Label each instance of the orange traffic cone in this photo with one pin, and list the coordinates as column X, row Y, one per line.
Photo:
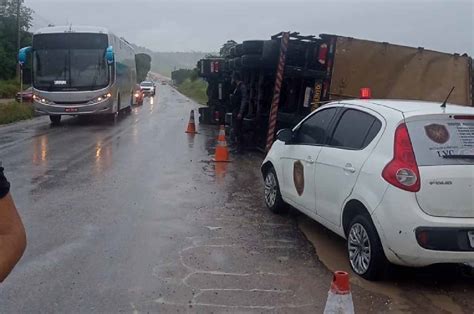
column 222, row 152
column 221, row 136
column 191, row 125
column 339, row 296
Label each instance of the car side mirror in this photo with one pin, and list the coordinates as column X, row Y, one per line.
column 285, row 135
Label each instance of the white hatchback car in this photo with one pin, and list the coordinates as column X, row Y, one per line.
column 395, row 178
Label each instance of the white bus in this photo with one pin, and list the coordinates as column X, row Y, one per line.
column 81, row 70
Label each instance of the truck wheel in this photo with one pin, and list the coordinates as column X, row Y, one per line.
column 232, row 52
column 239, row 50
column 296, row 53
column 273, row 198
column 364, row 248
column 270, row 53
column 251, row 61
column 231, row 63
column 237, row 63
column 55, row 119
column 250, row 47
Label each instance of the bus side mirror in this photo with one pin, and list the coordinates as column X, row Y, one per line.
column 22, row 54
column 109, row 55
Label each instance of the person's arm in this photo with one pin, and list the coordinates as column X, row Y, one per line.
column 244, row 101
column 12, row 232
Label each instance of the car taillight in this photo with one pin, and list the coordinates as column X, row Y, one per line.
column 402, row 171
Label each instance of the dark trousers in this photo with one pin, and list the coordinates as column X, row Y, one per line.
column 238, row 133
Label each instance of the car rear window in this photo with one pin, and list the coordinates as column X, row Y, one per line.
column 442, row 141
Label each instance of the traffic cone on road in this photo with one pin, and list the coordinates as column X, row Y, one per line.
column 339, row 296
column 221, row 136
column 191, row 125
column 222, row 152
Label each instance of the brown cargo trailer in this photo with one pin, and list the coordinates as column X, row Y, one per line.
column 397, row 72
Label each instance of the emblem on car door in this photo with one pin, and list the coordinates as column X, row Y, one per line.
column 298, row 177
column 437, row 133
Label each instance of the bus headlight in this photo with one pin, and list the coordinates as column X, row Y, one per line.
column 101, row 98
column 42, row 100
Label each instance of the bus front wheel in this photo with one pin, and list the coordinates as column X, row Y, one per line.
column 112, row 117
column 55, row 119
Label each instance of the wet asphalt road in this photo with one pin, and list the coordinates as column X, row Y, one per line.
column 133, row 218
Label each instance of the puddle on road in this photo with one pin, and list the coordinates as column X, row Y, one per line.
column 406, row 294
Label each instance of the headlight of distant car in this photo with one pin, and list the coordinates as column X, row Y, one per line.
column 41, row 100
column 100, row 98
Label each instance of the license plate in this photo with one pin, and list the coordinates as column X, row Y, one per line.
column 470, row 235
column 71, row 109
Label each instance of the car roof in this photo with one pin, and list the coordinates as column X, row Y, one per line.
column 409, row 107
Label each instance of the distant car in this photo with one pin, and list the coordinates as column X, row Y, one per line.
column 27, row 95
column 163, row 83
column 395, row 178
column 148, row 88
column 138, row 96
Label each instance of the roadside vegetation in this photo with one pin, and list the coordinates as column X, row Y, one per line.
column 194, row 89
column 15, row 111
column 190, row 84
column 9, row 86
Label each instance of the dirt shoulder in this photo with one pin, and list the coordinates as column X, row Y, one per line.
column 438, row 289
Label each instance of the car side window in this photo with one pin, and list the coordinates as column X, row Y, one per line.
column 355, row 130
column 314, row 131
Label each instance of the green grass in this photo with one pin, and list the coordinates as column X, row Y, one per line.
column 8, row 89
column 195, row 90
column 15, row 111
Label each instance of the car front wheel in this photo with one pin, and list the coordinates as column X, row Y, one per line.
column 273, row 198
column 365, row 250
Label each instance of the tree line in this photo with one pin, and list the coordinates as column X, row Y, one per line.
column 8, row 35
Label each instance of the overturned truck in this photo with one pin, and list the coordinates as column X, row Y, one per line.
column 297, row 74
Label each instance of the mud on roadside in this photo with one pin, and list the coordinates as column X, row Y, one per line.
column 437, row 289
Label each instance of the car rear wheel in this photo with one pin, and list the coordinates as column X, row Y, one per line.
column 365, row 251
column 273, row 198
column 55, row 119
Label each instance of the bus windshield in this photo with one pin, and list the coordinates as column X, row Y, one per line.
column 70, row 61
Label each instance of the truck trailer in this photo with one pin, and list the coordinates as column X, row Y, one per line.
column 315, row 70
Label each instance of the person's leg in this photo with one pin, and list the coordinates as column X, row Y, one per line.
column 239, row 135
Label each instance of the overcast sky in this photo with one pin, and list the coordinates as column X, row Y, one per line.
column 193, row 25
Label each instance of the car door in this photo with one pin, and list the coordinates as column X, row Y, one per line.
column 340, row 161
column 299, row 157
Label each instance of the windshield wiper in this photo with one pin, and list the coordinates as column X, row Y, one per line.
column 459, row 157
